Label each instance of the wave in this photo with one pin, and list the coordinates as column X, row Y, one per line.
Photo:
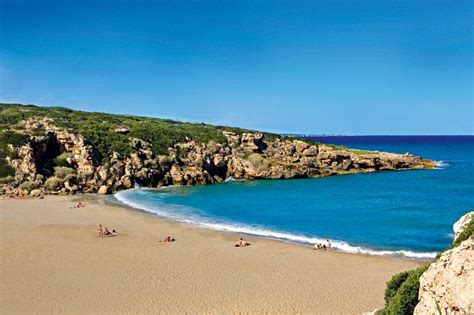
column 194, row 219
column 441, row 164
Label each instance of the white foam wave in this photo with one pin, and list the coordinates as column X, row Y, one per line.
column 441, row 164
column 259, row 231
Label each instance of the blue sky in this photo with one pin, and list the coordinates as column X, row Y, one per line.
column 320, row 67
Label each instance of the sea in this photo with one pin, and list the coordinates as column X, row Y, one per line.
column 408, row 214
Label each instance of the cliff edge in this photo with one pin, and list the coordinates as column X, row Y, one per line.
column 58, row 154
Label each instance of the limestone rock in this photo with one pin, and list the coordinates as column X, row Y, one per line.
column 447, row 287
column 103, row 190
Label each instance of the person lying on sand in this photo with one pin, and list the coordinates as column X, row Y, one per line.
column 242, row 243
column 108, row 233
column 80, row 204
column 168, row 240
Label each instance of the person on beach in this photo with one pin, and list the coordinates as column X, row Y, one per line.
column 80, row 204
column 317, row 246
column 105, row 232
column 329, row 246
column 100, row 231
column 168, row 240
column 242, row 243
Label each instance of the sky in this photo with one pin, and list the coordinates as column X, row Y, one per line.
column 307, row 67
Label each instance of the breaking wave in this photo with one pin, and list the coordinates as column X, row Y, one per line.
column 194, row 217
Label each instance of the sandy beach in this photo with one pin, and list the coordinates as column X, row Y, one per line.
column 52, row 261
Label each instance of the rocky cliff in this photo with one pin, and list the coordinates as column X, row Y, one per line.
column 55, row 160
column 447, row 287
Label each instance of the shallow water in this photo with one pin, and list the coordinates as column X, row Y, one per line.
column 404, row 213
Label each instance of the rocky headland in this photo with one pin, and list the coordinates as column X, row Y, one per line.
column 54, row 160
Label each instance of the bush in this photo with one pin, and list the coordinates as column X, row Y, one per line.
column 393, row 285
column 6, row 169
column 7, row 180
column 62, row 172
column 404, row 299
column 53, row 183
column 72, row 179
column 465, row 234
column 29, row 185
column 13, row 138
column 61, row 160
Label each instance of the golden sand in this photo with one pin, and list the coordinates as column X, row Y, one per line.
column 52, row 261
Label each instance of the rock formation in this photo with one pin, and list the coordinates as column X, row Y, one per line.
column 245, row 156
column 447, row 287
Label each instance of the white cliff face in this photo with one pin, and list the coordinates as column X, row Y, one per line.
column 447, row 287
column 462, row 223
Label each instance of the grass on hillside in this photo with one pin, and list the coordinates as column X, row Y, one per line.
column 98, row 129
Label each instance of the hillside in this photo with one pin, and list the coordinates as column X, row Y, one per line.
column 59, row 150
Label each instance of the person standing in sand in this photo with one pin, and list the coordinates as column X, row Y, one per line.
column 329, row 246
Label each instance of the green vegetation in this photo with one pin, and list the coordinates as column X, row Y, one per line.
column 98, row 129
column 30, row 185
column 465, row 234
column 401, row 295
column 336, row 147
column 53, row 183
column 5, row 169
column 62, row 172
column 61, row 160
column 361, row 152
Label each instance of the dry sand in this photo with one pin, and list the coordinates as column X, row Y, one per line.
column 52, row 261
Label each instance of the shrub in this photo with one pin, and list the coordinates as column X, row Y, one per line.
column 53, row 183
column 393, row 285
column 6, row 169
column 7, row 180
column 465, row 234
column 13, row 138
column 404, row 299
column 62, row 172
column 29, row 185
column 61, row 160
column 71, row 178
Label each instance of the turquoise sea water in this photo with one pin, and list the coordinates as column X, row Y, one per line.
column 402, row 213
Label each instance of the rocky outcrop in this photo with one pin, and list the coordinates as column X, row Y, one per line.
column 246, row 156
column 447, row 287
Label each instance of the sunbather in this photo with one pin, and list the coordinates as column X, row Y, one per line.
column 242, row 243
column 168, row 239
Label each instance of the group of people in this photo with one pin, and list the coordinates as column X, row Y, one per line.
column 105, row 232
column 328, row 245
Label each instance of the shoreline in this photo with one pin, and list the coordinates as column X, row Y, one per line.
column 54, row 261
column 278, row 236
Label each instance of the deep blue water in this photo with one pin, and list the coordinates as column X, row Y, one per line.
column 400, row 213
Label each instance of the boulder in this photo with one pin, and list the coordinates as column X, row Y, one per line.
column 103, row 190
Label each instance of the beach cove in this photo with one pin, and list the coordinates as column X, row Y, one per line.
column 53, row 261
